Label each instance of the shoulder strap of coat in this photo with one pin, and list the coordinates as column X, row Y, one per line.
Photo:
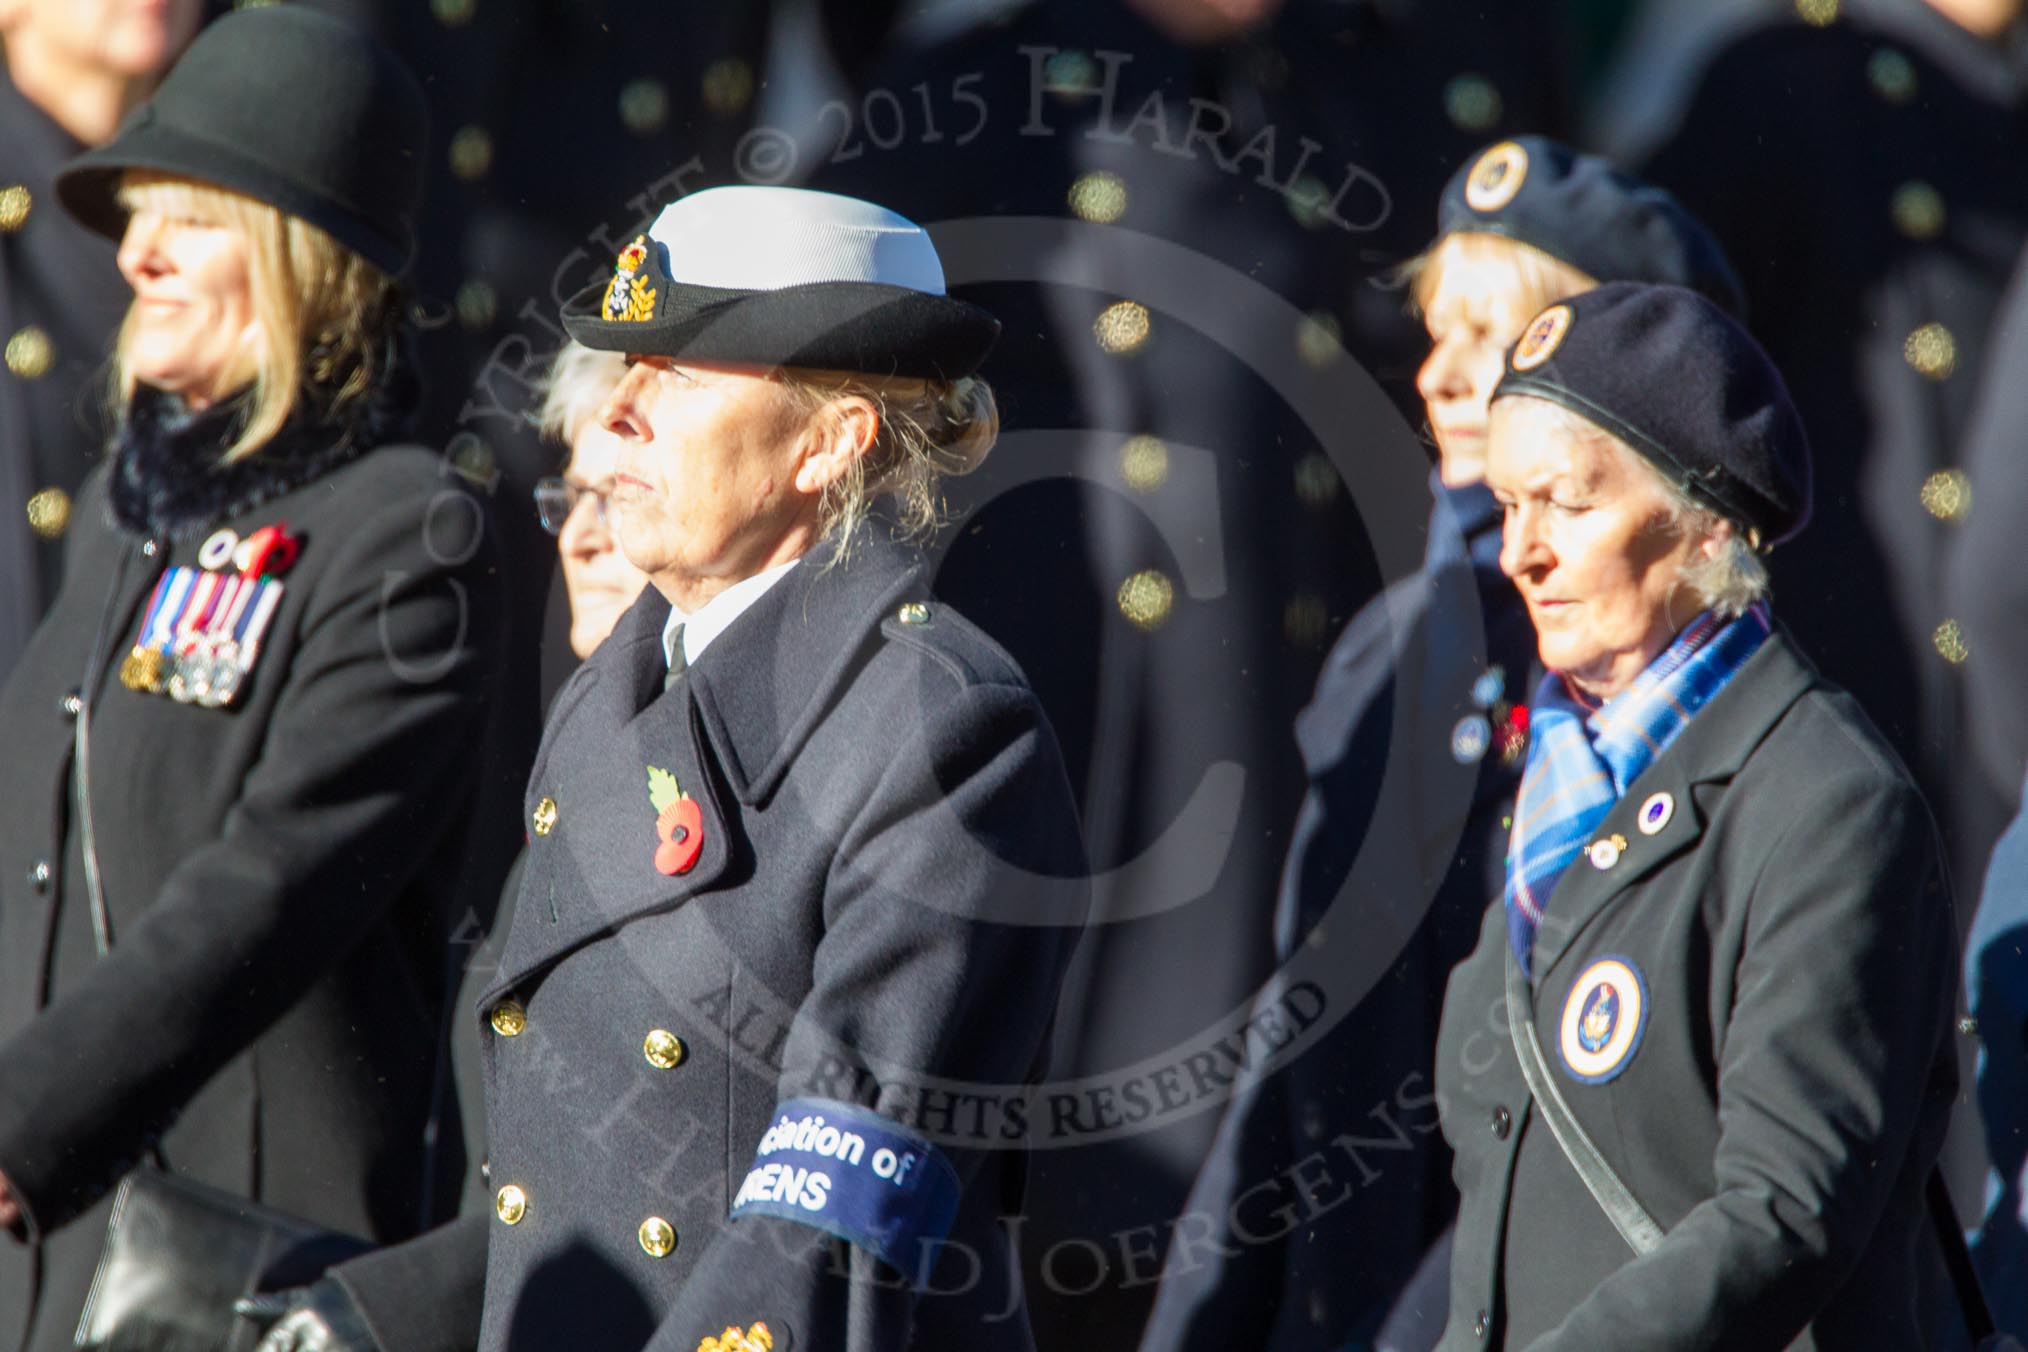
column 1620, row 1205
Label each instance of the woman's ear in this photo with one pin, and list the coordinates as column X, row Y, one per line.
column 1715, row 539
column 837, row 435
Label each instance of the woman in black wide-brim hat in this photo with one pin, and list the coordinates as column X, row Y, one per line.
column 240, row 746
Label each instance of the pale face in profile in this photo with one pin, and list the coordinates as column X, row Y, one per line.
column 597, row 577
column 1592, row 546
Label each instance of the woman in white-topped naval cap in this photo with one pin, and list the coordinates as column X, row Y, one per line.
column 804, row 868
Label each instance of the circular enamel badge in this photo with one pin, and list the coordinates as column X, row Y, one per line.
column 216, row 551
column 1490, row 686
column 1497, row 177
column 1603, row 1019
column 1543, row 336
column 1470, row 738
column 1655, row 813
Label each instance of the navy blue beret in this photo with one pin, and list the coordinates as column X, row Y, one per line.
column 1677, row 379
column 1579, row 208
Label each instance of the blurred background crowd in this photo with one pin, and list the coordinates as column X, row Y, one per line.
column 1192, row 217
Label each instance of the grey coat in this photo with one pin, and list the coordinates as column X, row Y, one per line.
column 1785, row 1102
column 886, row 895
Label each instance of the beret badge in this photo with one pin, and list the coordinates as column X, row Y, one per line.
column 1542, row 337
column 629, row 298
column 1497, row 178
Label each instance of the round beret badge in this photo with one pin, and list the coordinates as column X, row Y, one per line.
column 1543, row 336
column 1497, row 177
column 1603, row 1019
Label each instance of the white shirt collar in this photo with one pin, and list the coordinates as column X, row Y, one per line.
column 717, row 614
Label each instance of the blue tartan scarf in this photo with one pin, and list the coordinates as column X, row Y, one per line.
column 1582, row 757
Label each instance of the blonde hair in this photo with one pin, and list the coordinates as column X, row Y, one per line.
column 1540, row 279
column 928, row 429
column 577, row 385
column 1726, row 582
column 324, row 316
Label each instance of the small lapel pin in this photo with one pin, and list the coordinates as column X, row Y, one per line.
column 1655, row 813
column 1605, row 853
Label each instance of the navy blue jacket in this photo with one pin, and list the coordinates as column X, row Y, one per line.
column 1328, row 1179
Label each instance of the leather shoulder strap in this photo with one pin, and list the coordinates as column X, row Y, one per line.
column 1620, row 1205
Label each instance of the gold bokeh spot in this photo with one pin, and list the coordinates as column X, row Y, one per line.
column 1947, row 495
column 1932, row 350
column 1122, row 328
column 1144, row 463
column 1146, row 598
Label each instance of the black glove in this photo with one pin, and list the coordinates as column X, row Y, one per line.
column 316, row 1318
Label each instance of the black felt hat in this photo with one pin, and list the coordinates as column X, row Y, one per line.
column 1581, row 209
column 1677, row 379
column 289, row 107
column 766, row 276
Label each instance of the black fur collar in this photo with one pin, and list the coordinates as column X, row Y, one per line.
column 167, row 479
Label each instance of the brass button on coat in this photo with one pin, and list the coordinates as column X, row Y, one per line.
column 15, row 204
column 509, row 1018
column 658, row 1237
column 49, row 513
column 545, row 816
column 915, row 612
column 512, row 1204
column 664, row 1050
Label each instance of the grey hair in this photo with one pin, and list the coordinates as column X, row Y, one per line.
column 1726, row 582
column 929, row 429
column 577, row 385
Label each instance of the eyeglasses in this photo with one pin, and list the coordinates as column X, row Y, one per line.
column 557, row 498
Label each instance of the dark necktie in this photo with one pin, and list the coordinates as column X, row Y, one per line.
column 678, row 664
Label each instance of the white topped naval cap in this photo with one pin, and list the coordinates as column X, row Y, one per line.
column 784, row 277
column 754, row 238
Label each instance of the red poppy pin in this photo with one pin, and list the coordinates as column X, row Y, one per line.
column 679, row 824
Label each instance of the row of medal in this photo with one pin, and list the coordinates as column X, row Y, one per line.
column 202, row 628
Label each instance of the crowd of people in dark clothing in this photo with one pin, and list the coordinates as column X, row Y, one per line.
column 1301, row 674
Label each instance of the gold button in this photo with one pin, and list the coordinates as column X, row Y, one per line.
column 512, row 1204
column 1932, row 350
column 509, row 1018
column 1472, row 103
column 1892, row 75
column 915, row 612
column 1146, row 598
column 453, row 13
column 15, row 202
column 1918, row 210
column 1947, row 495
column 1098, row 197
column 1949, row 639
column 49, row 513
column 30, row 353
column 1817, row 13
column 658, row 1237
column 728, row 86
column 663, row 1049
column 1144, row 463
column 644, row 106
column 471, row 153
column 1122, row 328
column 545, row 816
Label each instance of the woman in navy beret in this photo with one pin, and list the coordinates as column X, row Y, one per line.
column 1698, row 1069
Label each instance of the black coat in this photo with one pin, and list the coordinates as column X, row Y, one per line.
column 1782, row 1106
column 1849, row 170
column 1316, row 1239
column 279, row 873
column 61, row 299
column 889, row 885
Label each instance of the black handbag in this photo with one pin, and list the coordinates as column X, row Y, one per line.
column 179, row 1253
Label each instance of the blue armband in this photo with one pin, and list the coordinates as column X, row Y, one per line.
column 861, row 1176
